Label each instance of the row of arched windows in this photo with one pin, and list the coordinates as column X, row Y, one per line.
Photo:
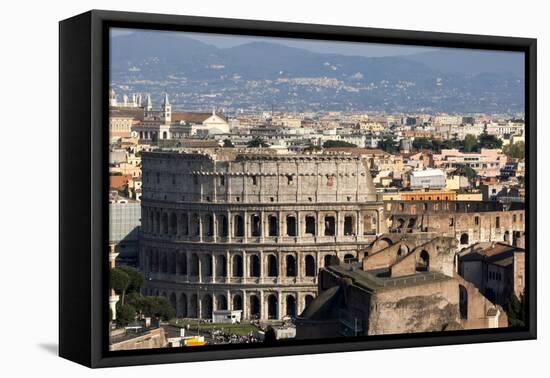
column 192, row 306
column 208, row 225
column 181, row 264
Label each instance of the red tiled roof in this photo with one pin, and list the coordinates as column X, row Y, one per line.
column 119, row 182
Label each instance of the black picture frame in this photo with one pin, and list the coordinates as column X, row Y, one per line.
column 83, row 181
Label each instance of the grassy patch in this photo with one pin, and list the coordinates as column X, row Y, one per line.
column 241, row 329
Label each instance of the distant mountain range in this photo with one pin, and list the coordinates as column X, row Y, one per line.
column 258, row 74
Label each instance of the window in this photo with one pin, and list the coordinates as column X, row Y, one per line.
column 291, row 225
column 310, row 225
column 476, row 220
column 330, row 226
column 254, row 181
column 273, row 225
column 497, row 222
column 289, row 179
column 222, row 180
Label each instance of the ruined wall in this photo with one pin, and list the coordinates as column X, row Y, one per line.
column 420, row 308
column 440, row 254
column 469, row 222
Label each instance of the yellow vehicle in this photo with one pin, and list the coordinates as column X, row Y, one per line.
column 194, row 341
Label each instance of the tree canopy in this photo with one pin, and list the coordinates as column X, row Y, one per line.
column 516, row 150
column 387, row 144
column 257, row 142
column 337, row 143
column 158, row 307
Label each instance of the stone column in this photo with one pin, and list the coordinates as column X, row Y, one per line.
column 246, row 274
column 229, row 262
column 281, row 305
column 214, row 275
column 214, row 227
column 246, row 310
column 263, row 306
column 229, row 227
column 199, row 260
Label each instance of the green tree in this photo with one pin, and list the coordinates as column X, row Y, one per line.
column 488, row 141
column 387, row 145
column 516, row 150
column 469, row 143
column 257, row 142
column 422, row 143
column 136, row 279
column 227, row 143
column 125, row 314
column 515, row 309
column 119, row 280
column 158, row 307
column 464, row 170
column 337, row 143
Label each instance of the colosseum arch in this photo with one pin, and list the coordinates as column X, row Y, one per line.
column 423, row 262
column 400, row 222
column 184, row 224
column 222, row 225
column 310, row 225
column 307, row 300
column 327, row 259
column 163, row 262
column 221, row 302
column 237, row 266
column 291, row 225
column 255, row 309
column 151, row 225
column 173, row 224
column 196, row 225
column 172, row 262
column 255, row 225
column 209, row 225
column 237, row 302
column 369, row 224
column 348, row 257
column 272, row 311
column 291, row 305
column 254, row 266
column 272, row 266
column 221, row 266
column 349, row 224
column 164, row 224
column 157, row 222
column 290, row 266
column 330, row 225
column 206, row 306
column 206, row 266
column 181, row 263
column 309, row 262
column 194, row 266
column 193, row 310
column 238, row 226
column 182, row 306
column 273, row 225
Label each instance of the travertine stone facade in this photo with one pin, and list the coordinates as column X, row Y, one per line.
column 250, row 231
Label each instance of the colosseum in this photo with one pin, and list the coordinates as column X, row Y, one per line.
column 249, row 231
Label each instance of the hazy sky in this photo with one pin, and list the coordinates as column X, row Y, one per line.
column 343, row 48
